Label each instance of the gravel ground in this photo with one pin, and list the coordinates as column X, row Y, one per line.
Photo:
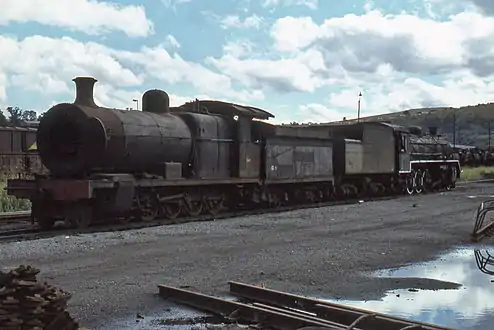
column 319, row 252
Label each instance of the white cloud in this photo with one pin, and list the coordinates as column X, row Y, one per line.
column 93, row 17
column 284, row 75
column 398, row 61
column 409, row 43
column 172, row 41
column 48, row 65
column 173, row 3
column 312, row 4
column 293, row 34
column 234, row 21
column 107, row 95
column 314, row 113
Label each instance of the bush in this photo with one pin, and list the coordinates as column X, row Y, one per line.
column 477, row 173
column 11, row 203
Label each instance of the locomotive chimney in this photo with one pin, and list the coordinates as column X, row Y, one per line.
column 84, row 91
column 433, row 130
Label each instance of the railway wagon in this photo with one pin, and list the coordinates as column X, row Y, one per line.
column 204, row 156
column 16, row 158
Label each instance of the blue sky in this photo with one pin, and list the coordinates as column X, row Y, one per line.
column 303, row 60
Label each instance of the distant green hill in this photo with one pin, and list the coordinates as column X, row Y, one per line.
column 472, row 122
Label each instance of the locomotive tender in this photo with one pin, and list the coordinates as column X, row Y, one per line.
column 206, row 156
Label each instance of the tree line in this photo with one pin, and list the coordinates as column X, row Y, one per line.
column 15, row 116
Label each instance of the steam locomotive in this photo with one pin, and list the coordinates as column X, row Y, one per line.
column 207, row 156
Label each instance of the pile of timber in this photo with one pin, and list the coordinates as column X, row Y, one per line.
column 27, row 304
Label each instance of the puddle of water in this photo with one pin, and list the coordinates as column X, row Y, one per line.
column 471, row 307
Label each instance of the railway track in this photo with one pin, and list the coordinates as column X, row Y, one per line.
column 34, row 232
column 8, row 217
column 273, row 309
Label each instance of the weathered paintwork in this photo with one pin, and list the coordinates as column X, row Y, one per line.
column 79, row 138
column 291, row 158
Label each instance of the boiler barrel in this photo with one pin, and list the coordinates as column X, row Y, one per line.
column 73, row 139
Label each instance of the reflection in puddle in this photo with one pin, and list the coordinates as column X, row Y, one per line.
column 471, row 307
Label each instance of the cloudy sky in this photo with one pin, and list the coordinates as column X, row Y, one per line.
column 303, row 60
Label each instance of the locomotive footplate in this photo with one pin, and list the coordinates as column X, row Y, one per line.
column 57, row 189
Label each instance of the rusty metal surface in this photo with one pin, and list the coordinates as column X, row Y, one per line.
column 240, row 311
column 213, row 142
column 268, row 130
column 250, row 160
column 75, row 138
column 329, row 311
column 67, row 190
column 156, row 101
column 246, row 155
column 483, row 227
column 152, row 139
column 378, row 142
column 278, row 310
column 223, row 108
column 485, row 261
column 348, row 156
column 379, row 149
column 291, row 158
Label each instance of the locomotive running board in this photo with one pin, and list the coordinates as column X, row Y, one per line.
column 483, row 228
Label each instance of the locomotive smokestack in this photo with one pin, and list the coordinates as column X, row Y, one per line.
column 433, row 130
column 84, row 91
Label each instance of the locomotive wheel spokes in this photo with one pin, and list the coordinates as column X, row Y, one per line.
column 193, row 207
column 410, row 183
column 172, row 209
column 215, row 205
column 419, row 181
column 452, row 182
column 148, row 207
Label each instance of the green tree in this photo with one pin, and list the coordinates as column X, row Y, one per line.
column 3, row 120
column 17, row 115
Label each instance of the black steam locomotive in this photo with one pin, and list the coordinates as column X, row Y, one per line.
column 206, row 156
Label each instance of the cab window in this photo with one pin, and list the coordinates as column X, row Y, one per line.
column 403, row 144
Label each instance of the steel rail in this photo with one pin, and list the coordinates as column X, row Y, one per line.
column 481, row 229
column 326, row 310
column 6, row 216
column 243, row 312
column 284, row 311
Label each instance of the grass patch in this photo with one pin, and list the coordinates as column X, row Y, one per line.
column 477, row 173
column 10, row 203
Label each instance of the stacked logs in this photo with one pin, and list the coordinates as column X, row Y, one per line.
column 27, row 304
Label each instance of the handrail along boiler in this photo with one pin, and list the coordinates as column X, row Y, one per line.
column 206, row 156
